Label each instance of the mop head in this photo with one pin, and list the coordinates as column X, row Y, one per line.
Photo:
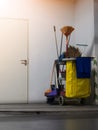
column 67, row 30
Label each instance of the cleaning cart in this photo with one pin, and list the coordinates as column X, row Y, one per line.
column 70, row 78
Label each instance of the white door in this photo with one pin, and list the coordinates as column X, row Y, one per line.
column 13, row 56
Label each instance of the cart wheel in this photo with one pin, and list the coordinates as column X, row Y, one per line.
column 85, row 101
column 61, row 100
column 50, row 101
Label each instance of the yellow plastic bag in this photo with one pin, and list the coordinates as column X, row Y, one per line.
column 76, row 87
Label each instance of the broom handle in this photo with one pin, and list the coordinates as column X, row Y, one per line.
column 51, row 79
column 67, row 41
column 61, row 43
column 56, row 41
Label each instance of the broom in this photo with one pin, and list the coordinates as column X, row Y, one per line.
column 67, row 30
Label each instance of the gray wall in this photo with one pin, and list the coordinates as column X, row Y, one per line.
column 84, row 24
column 96, row 26
column 42, row 16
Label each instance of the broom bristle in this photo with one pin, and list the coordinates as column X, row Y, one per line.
column 67, row 30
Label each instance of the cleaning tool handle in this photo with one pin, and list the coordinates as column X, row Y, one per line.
column 54, row 28
column 56, row 41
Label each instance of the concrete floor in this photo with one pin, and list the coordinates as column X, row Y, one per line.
column 39, row 116
column 43, row 108
column 46, row 107
column 47, row 124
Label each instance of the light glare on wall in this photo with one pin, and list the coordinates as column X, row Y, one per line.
column 3, row 3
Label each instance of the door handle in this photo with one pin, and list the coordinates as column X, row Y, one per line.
column 24, row 62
